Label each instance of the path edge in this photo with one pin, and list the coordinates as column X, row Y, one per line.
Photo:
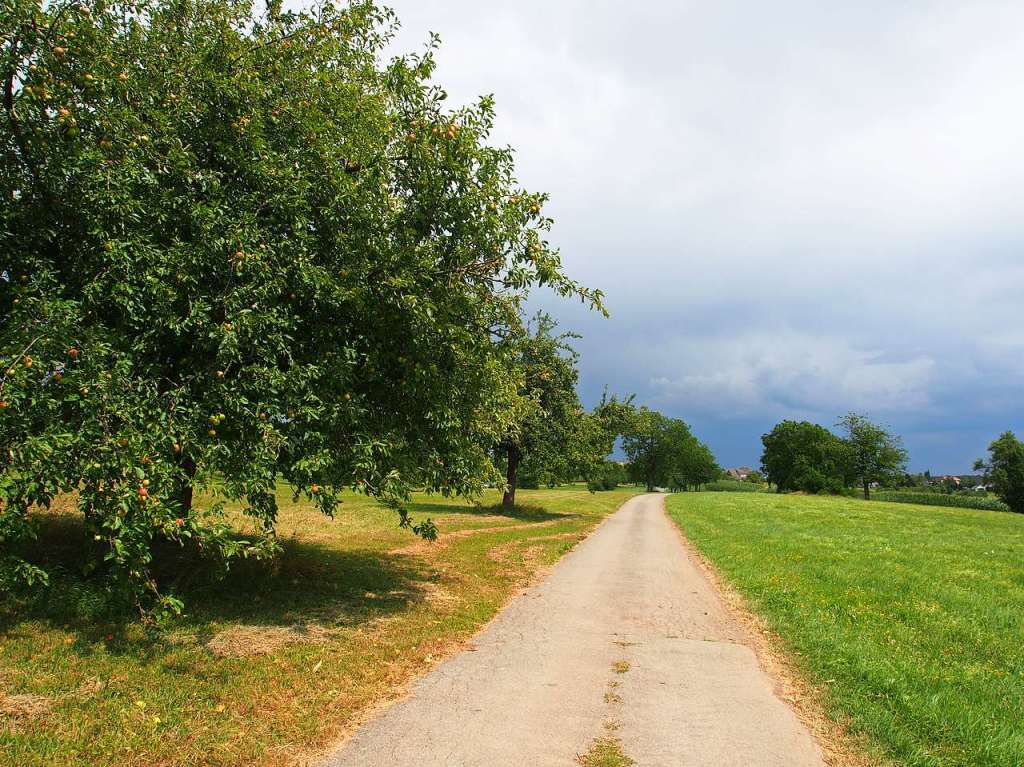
column 321, row 757
column 805, row 698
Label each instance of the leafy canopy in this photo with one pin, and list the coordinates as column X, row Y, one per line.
column 1005, row 470
column 799, row 455
column 239, row 246
column 873, row 454
column 554, row 439
column 664, row 452
column 545, row 440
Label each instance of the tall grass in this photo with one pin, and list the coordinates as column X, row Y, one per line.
column 730, row 486
column 985, row 503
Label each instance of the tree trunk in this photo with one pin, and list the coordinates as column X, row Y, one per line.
column 185, row 491
column 508, row 501
column 867, row 491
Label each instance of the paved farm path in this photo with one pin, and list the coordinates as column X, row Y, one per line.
column 540, row 683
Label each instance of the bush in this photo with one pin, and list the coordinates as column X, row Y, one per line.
column 812, row 481
column 1005, row 470
column 607, row 476
column 730, row 486
column 962, row 501
column 834, row 486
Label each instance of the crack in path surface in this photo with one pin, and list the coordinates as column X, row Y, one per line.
column 533, row 690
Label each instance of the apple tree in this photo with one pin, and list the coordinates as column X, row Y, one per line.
column 1005, row 470
column 240, row 247
column 872, row 454
column 544, row 442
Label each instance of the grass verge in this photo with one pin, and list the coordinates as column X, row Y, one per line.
column 276, row 661
column 605, row 752
column 909, row 617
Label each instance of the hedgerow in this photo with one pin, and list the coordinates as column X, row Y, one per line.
column 941, row 499
column 730, row 486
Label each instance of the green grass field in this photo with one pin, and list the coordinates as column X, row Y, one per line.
column 276, row 661
column 911, row 617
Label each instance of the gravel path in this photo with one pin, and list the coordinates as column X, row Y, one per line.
column 625, row 638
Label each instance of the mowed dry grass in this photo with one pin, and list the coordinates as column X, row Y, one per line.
column 276, row 662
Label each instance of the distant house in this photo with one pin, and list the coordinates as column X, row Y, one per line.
column 740, row 473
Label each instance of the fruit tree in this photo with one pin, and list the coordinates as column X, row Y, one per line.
column 240, row 246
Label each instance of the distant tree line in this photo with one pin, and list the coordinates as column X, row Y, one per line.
column 799, row 455
column 1004, row 469
column 807, row 457
column 553, row 439
column 663, row 452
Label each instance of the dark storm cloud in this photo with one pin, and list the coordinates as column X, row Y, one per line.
column 795, row 209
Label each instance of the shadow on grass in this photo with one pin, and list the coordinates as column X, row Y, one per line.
column 308, row 582
column 307, row 585
column 522, row 513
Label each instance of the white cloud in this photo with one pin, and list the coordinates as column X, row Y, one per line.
column 790, row 374
column 805, row 207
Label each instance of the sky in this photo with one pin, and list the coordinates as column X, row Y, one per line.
column 795, row 209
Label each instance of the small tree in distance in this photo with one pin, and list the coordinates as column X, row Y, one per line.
column 544, row 441
column 663, row 451
column 872, row 453
column 1005, row 470
column 600, row 428
column 800, row 455
column 644, row 445
column 553, row 439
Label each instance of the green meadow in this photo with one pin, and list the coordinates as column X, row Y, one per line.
column 910, row 617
